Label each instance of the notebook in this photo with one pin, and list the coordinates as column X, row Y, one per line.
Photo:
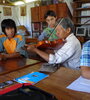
column 31, row 78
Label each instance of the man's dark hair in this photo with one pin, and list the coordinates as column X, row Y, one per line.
column 49, row 13
column 8, row 23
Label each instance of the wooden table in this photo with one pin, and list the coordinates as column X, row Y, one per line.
column 56, row 83
column 14, row 64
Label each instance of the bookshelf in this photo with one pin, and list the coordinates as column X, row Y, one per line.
column 81, row 15
column 37, row 28
column 79, row 12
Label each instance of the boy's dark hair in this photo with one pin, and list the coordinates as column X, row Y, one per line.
column 8, row 23
column 49, row 13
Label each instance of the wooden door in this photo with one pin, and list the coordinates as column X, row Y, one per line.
column 62, row 10
column 52, row 7
column 35, row 14
column 42, row 11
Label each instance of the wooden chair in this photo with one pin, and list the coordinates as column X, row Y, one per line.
column 23, row 28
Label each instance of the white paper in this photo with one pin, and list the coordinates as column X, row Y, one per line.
column 80, row 84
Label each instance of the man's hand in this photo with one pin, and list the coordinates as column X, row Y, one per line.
column 33, row 48
column 30, row 47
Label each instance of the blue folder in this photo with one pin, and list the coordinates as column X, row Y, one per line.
column 31, row 78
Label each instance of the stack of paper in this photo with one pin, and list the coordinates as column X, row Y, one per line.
column 80, row 84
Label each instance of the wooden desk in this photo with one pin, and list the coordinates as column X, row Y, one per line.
column 56, row 83
column 13, row 64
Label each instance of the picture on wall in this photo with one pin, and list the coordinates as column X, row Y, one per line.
column 23, row 10
column 7, row 11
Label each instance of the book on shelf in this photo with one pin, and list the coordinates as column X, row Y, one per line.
column 32, row 78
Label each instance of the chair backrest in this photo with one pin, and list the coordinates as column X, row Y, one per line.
column 24, row 29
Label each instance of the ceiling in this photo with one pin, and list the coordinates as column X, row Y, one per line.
column 5, row 2
column 9, row 2
column 12, row 2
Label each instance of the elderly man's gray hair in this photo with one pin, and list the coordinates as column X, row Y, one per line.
column 66, row 23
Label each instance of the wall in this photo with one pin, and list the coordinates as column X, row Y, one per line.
column 5, row 17
column 24, row 20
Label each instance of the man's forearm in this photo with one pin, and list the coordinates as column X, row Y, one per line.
column 44, row 55
column 85, row 71
column 86, row 75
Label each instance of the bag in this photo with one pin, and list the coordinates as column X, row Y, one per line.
column 46, row 67
column 27, row 93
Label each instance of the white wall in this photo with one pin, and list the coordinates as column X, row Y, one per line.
column 24, row 20
column 5, row 17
